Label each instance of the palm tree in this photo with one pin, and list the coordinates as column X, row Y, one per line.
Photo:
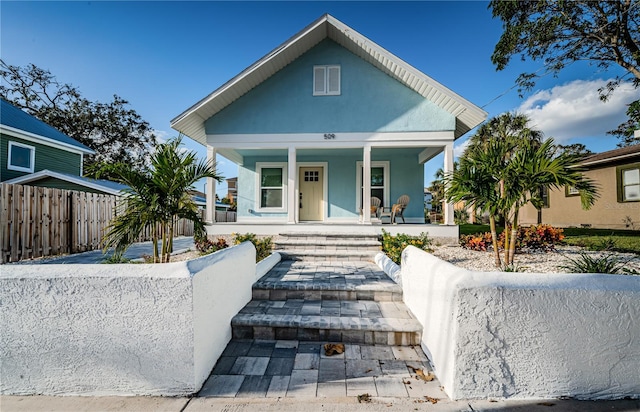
column 156, row 197
column 505, row 166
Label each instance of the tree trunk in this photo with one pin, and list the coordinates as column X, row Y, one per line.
column 169, row 243
column 163, row 251
column 514, row 237
column 494, row 240
column 154, row 238
column 507, row 239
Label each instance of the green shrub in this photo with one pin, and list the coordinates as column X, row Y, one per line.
column 460, row 217
column 394, row 245
column 609, row 263
column 263, row 246
column 115, row 258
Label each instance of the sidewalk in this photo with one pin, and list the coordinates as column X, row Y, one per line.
column 135, row 251
column 345, row 404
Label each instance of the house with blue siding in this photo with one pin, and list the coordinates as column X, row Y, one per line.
column 36, row 154
column 323, row 123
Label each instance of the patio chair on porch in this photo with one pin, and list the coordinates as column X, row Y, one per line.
column 375, row 207
column 396, row 210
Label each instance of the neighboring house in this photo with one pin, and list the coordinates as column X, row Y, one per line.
column 28, row 145
column 232, row 189
column 617, row 176
column 324, row 122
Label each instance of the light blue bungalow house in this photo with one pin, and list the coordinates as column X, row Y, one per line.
column 324, row 122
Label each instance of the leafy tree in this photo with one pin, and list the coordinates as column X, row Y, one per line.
column 626, row 131
column 437, row 191
column 156, row 197
column 504, row 167
column 559, row 33
column 576, row 149
column 115, row 132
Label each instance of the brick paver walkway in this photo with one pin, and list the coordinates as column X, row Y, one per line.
column 297, row 307
column 286, row 368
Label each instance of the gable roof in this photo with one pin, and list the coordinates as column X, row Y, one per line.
column 24, row 125
column 191, row 121
column 106, row 186
column 610, row 156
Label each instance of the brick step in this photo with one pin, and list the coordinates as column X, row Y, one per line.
column 328, row 255
column 327, row 243
column 315, row 281
column 366, row 322
column 327, row 236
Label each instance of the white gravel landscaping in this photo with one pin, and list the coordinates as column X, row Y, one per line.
column 527, row 262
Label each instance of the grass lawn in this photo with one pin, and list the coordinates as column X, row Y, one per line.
column 593, row 239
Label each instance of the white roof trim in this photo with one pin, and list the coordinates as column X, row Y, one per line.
column 49, row 173
column 32, row 137
column 609, row 159
column 191, row 121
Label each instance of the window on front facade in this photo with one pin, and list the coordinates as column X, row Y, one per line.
column 379, row 182
column 21, row 157
column 326, row 80
column 271, row 190
column 629, row 183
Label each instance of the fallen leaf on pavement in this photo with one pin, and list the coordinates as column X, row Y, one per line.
column 333, row 349
column 432, row 400
column 365, row 397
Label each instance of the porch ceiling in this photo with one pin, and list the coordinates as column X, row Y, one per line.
column 191, row 122
column 238, row 155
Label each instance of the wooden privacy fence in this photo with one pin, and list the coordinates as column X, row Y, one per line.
column 39, row 221
column 225, row 216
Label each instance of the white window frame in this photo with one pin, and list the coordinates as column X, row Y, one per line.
column 623, row 184
column 20, row 168
column 258, row 193
column 326, row 69
column 386, row 187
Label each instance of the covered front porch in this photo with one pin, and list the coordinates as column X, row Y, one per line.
column 442, row 233
column 311, row 184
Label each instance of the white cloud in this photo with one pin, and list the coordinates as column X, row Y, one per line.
column 574, row 109
column 459, row 148
column 162, row 136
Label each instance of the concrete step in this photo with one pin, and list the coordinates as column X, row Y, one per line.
column 327, row 247
column 360, row 321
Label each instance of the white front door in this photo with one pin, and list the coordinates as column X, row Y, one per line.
column 311, row 194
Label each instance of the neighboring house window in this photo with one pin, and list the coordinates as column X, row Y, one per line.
column 544, row 195
column 271, row 186
column 326, row 80
column 629, row 183
column 21, row 157
column 571, row 191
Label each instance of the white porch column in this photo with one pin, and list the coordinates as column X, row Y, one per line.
column 448, row 168
column 291, row 186
column 211, row 188
column 366, row 185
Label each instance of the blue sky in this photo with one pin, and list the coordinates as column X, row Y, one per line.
column 164, row 56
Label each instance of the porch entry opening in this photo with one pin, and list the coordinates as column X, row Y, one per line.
column 311, row 193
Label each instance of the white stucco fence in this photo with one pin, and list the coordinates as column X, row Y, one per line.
column 127, row 329
column 522, row 335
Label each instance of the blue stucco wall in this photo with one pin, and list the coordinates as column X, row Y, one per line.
column 406, row 177
column 369, row 101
